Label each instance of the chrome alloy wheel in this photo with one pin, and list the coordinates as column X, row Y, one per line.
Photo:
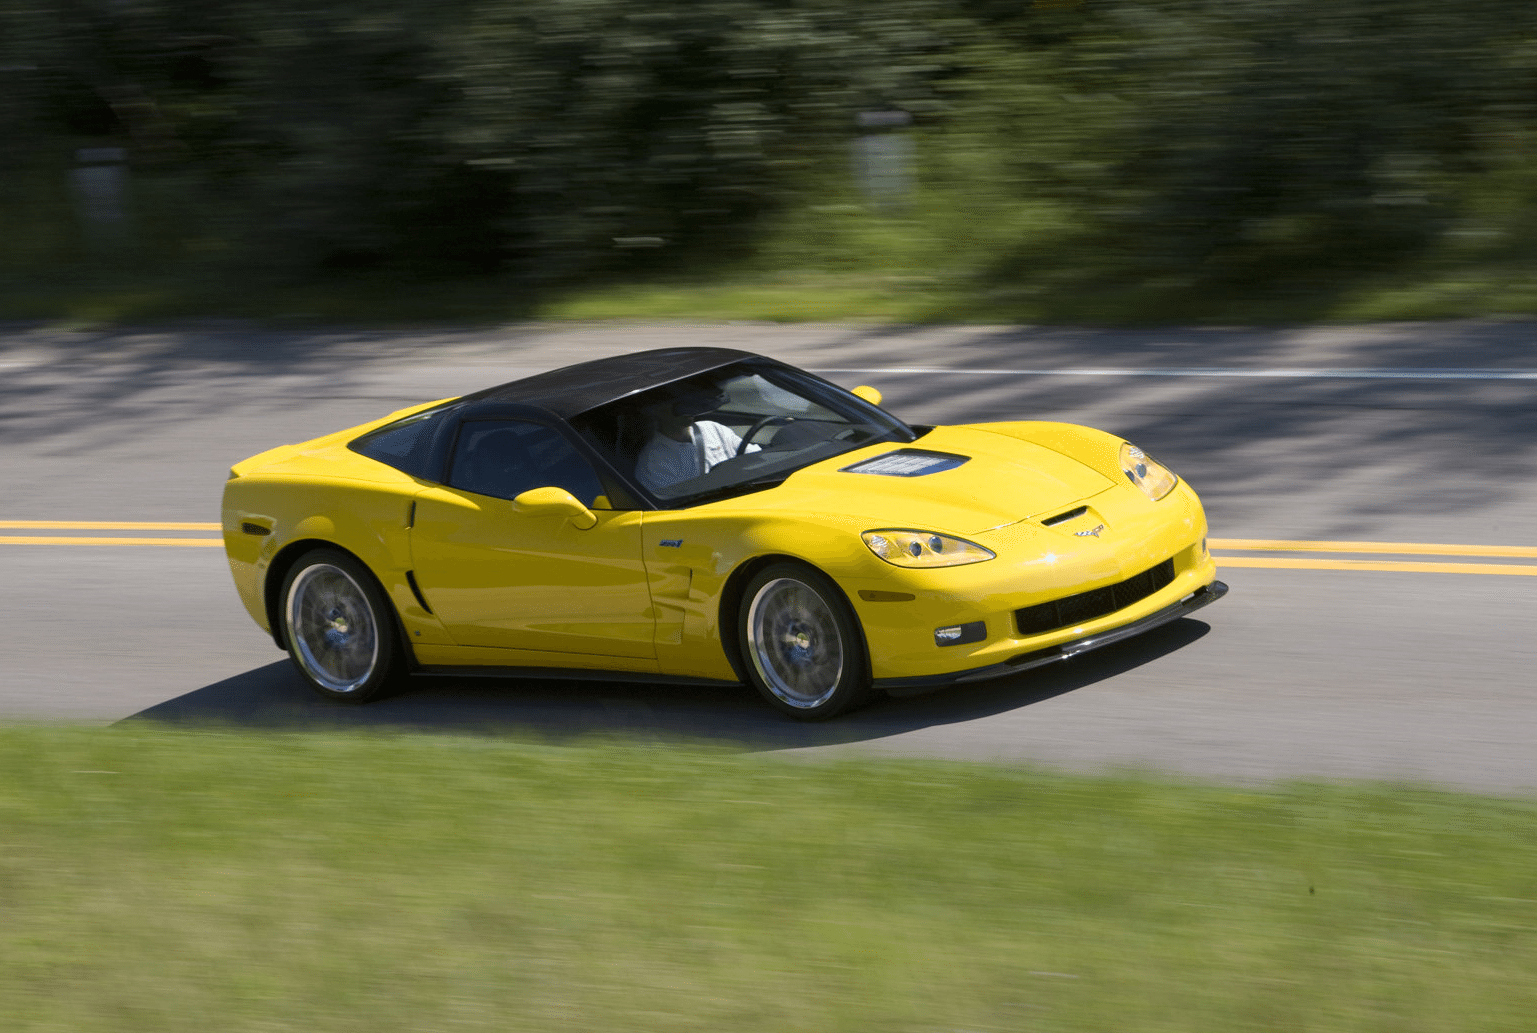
column 333, row 628
column 795, row 644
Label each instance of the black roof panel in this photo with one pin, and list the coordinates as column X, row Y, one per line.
column 572, row 390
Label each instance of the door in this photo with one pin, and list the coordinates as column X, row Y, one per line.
column 497, row 577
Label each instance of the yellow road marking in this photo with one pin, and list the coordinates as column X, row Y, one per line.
column 12, row 539
column 1243, row 544
column 102, row 525
column 1392, row 548
column 1409, row 566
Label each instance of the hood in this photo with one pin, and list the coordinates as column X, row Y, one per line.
column 955, row 480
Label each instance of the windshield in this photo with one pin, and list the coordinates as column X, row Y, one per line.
column 731, row 431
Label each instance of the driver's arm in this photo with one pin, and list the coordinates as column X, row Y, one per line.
column 718, row 441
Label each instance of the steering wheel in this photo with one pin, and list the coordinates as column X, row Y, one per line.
column 741, row 448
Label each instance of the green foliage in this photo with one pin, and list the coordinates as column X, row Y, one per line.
column 546, row 136
column 1076, row 158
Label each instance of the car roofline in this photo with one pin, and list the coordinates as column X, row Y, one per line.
column 572, row 390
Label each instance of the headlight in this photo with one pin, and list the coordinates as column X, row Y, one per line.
column 1155, row 479
column 903, row 548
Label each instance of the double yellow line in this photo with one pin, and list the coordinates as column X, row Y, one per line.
column 105, row 539
column 1407, row 557
column 1347, row 556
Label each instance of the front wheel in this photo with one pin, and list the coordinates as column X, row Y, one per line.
column 339, row 627
column 801, row 645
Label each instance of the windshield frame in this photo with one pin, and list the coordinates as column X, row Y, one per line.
column 598, row 428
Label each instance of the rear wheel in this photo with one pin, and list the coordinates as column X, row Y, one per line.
column 801, row 645
column 339, row 626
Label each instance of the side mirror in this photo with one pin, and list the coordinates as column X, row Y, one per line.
column 869, row 394
column 556, row 502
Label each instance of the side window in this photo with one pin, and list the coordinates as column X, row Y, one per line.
column 504, row 458
column 402, row 444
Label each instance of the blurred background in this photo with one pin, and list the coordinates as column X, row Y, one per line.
column 995, row 160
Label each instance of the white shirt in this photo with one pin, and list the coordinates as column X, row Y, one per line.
column 665, row 461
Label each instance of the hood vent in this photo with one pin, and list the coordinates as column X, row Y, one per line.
column 1062, row 518
column 908, row 462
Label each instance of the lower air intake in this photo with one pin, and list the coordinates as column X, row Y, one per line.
column 1100, row 602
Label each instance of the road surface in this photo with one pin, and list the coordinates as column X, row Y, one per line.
column 1383, row 656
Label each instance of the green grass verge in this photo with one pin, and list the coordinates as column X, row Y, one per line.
column 940, row 262
column 163, row 880
column 787, row 296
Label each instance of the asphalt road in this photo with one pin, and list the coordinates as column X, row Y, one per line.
column 1403, row 435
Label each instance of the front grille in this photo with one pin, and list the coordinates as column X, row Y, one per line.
column 1100, row 602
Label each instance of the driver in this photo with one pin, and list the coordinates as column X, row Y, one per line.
column 682, row 445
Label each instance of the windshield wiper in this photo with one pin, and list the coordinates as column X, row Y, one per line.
column 727, row 491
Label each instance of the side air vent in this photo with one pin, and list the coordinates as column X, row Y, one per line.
column 416, row 590
column 255, row 529
column 1062, row 518
column 1091, row 605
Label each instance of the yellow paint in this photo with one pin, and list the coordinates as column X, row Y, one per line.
column 110, row 540
column 521, row 575
column 1391, row 548
column 102, row 525
column 1402, row 566
column 507, row 586
column 556, row 502
column 1241, row 544
column 321, row 493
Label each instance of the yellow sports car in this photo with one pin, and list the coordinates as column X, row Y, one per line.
column 702, row 514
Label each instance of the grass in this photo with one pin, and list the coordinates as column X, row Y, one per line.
column 968, row 252
column 784, row 297
column 163, row 880
column 789, row 296
column 807, row 293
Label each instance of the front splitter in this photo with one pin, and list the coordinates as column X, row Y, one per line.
column 1204, row 596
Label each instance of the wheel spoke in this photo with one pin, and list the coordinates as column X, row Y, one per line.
column 795, row 642
column 332, row 627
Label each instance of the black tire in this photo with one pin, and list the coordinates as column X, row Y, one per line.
column 801, row 646
column 339, row 627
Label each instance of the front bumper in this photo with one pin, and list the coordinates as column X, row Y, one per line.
column 1203, row 596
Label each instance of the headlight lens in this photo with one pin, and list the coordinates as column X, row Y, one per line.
column 907, row 548
column 1155, row 479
